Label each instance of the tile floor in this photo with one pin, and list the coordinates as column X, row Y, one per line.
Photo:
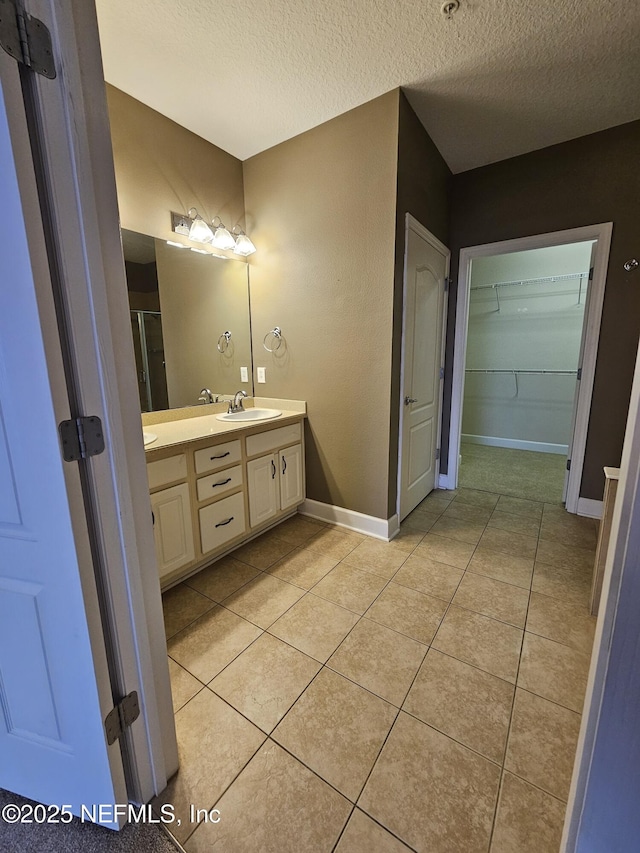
column 337, row 693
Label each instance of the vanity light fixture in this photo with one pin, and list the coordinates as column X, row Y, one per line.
column 244, row 246
column 199, row 229
column 221, row 238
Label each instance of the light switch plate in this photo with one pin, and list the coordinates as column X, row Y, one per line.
column 244, row 374
column 262, row 374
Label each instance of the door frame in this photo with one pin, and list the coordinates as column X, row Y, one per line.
column 601, row 233
column 410, row 222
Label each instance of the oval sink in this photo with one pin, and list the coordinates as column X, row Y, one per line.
column 148, row 437
column 250, row 415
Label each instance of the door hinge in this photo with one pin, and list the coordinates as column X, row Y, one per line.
column 437, row 453
column 568, row 464
column 26, row 39
column 579, row 374
column 591, row 274
column 442, row 373
column 121, row 717
column 447, row 283
column 81, row 438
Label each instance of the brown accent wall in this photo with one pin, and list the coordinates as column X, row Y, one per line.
column 323, row 208
column 582, row 182
column 424, row 186
column 161, row 166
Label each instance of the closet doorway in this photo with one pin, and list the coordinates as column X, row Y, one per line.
column 527, row 327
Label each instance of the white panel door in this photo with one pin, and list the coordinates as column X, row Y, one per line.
column 291, row 479
column 172, row 528
column 426, row 267
column 262, row 483
column 52, row 663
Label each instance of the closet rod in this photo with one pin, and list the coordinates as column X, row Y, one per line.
column 528, row 372
column 526, row 281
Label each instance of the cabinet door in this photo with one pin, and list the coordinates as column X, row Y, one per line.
column 172, row 528
column 291, row 479
column 262, row 480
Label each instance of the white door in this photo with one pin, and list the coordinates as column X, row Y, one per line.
column 291, row 478
column 54, row 684
column 426, row 268
column 262, row 483
column 172, row 528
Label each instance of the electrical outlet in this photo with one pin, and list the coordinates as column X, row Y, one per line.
column 262, row 374
column 244, row 374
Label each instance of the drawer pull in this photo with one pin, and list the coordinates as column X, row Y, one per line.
column 222, row 483
column 222, row 523
column 284, row 465
column 222, row 455
column 273, row 470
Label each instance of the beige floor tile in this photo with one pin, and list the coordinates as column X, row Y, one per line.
column 526, row 525
column 554, row 671
column 502, row 567
column 444, row 550
column 575, row 537
column 265, row 680
column 379, row 659
column 477, row 497
column 557, row 514
column 314, row 626
column 183, row 685
column 565, row 556
column 469, row 512
column 458, row 528
column 263, row 600
column 463, row 702
column 299, row 529
column 570, row 585
column 483, row 642
column 181, row 606
column 350, row 587
column 520, row 506
column 208, row 645
column 433, row 793
column 408, row 611
column 337, row 729
column 528, row 820
column 214, row 744
column 542, row 743
column 379, row 558
column 428, row 576
column 420, row 520
column 509, row 543
column 364, row 835
column 276, row 805
column 333, row 543
column 303, row 567
column 264, row 551
column 562, row 622
column 222, row 578
column 502, row 601
column 436, row 502
column 408, row 539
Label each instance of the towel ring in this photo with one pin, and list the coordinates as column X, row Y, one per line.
column 223, row 341
column 276, row 334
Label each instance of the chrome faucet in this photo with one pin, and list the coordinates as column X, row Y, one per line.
column 236, row 405
column 206, row 396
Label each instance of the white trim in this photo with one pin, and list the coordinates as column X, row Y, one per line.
column 443, row 481
column 589, row 508
column 379, row 528
column 515, row 444
column 601, row 233
column 410, row 222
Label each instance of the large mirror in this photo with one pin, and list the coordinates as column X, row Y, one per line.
column 190, row 320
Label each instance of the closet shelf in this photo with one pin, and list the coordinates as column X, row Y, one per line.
column 527, row 372
column 527, row 281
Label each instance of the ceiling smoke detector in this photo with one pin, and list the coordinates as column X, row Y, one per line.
column 450, row 8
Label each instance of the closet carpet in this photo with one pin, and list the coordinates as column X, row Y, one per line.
column 517, row 473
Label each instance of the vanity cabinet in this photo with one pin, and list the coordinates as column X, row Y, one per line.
column 211, row 495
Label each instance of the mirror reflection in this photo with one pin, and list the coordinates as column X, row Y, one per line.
column 190, row 321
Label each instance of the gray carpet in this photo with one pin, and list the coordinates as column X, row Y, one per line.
column 78, row 836
column 517, row 473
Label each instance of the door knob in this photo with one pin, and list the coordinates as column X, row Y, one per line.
column 409, row 400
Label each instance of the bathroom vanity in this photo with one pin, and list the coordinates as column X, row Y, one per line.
column 216, row 484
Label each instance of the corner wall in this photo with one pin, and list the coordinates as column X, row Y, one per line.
column 321, row 208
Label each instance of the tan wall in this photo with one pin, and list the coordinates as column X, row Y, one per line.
column 322, row 208
column 160, row 166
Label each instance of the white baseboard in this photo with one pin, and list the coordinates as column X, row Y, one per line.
column 443, row 481
column 379, row 528
column 516, row 444
column 590, row 508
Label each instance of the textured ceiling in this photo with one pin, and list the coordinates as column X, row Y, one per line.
column 498, row 79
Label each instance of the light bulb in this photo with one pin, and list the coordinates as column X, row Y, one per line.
column 199, row 230
column 244, row 245
column 222, row 238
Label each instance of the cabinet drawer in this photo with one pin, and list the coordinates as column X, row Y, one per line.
column 167, row 470
column 219, row 484
column 217, row 456
column 222, row 521
column 273, row 438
